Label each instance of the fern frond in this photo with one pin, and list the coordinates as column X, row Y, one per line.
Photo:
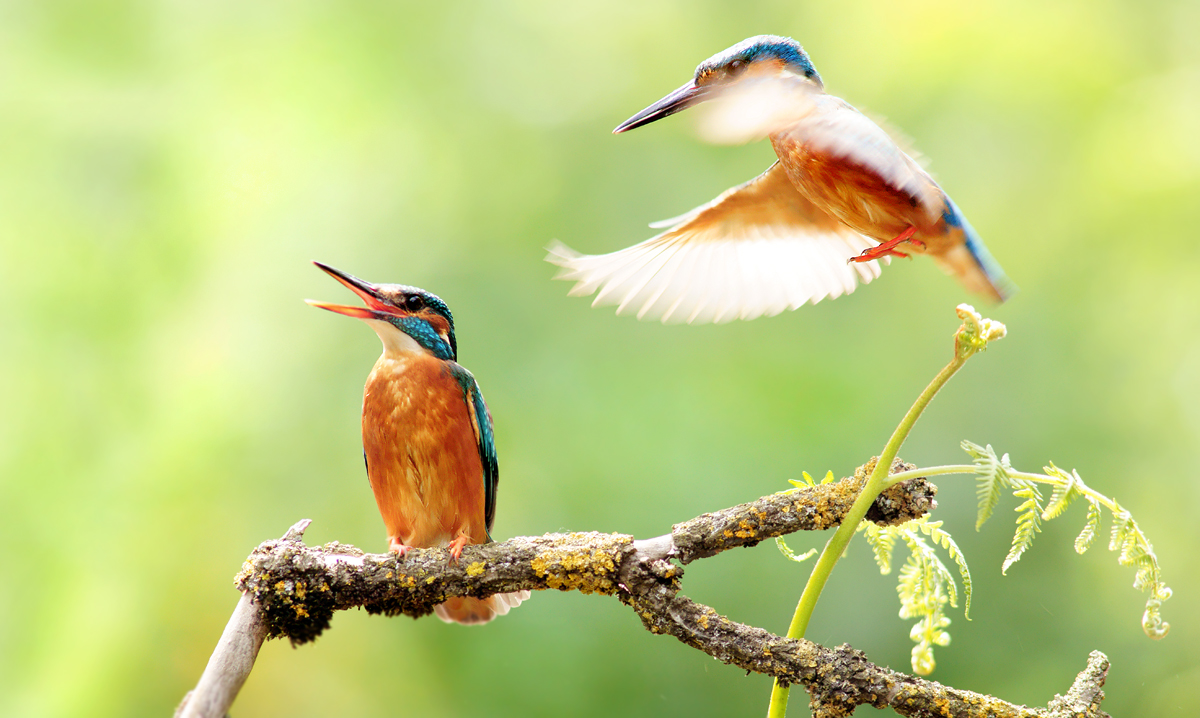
column 928, row 632
column 1152, row 622
column 991, row 478
column 783, row 549
column 1126, row 537
column 1085, row 538
column 939, row 574
column 1063, row 493
column 1121, row 521
column 925, row 585
column 881, row 539
column 1029, row 523
column 1135, row 550
column 933, row 529
column 922, row 595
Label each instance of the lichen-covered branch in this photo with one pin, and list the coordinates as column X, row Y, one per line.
column 810, row 509
column 300, row 587
column 297, row 588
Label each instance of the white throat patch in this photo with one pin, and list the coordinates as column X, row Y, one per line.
column 394, row 340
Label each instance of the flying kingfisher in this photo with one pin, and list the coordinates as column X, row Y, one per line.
column 427, row 434
column 841, row 196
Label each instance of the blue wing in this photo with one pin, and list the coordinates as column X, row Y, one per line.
column 481, row 421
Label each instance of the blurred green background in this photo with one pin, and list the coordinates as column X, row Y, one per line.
column 167, row 401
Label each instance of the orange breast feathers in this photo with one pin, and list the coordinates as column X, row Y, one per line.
column 858, row 196
column 422, row 457
column 850, row 167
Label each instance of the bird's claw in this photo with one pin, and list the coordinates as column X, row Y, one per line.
column 888, row 248
column 397, row 547
column 875, row 253
column 456, row 548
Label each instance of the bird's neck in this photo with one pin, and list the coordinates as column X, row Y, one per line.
column 397, row 346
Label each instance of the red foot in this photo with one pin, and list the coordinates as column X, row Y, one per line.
column 887, row 249
column 395, row 546
column 456, row 547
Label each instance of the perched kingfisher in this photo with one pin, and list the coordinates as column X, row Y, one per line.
column 841, row 195
column 427, row 434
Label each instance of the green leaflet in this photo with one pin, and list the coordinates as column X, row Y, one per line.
column 881, row 540
column 1063, row 494
column 783, row 549
column 992, row 479
column 1085, row 538
column 1029, row 523
column 808, row 482
column 933, row 529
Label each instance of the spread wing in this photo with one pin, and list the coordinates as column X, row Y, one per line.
column 481, row 422
column 759, row 248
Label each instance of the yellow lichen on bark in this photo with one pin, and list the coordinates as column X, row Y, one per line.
column 569, row 567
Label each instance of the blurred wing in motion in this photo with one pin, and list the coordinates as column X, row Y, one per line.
column 753, row 108
column 835, row 128
column 757, row 249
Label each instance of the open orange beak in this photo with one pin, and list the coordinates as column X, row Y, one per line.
column 377, row 306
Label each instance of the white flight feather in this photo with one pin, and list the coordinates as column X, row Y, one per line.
column 756, row 250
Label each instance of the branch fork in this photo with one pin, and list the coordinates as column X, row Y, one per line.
column 290, row 589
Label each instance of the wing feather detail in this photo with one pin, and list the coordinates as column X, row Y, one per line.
column 758, row 249
column 485, row 441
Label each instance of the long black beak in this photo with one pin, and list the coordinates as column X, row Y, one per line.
column 677, row 101
column 369, row 293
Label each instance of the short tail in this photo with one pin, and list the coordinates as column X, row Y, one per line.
column 470, row 611
column 972, row 263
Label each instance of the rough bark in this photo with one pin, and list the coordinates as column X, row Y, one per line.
column 297, row 588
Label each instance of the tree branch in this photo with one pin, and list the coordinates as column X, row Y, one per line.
column 297, row 588
column 236, row 652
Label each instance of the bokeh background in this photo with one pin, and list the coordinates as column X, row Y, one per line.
column 167, row 401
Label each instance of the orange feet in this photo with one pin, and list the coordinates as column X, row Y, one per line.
column 888, row 248
column 456, row 547
column 395, row 546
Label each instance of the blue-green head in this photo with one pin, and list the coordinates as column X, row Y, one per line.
column 760, row 57
column 763, row 54
column 405, row 318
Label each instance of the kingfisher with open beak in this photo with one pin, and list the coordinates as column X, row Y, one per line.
column 841, row 196
column 427, row 434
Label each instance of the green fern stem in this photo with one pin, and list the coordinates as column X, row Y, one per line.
column 1082, row 488
column 841, row 538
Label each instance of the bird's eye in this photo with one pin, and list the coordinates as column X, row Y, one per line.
column 414, row 303
column 736, row 67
